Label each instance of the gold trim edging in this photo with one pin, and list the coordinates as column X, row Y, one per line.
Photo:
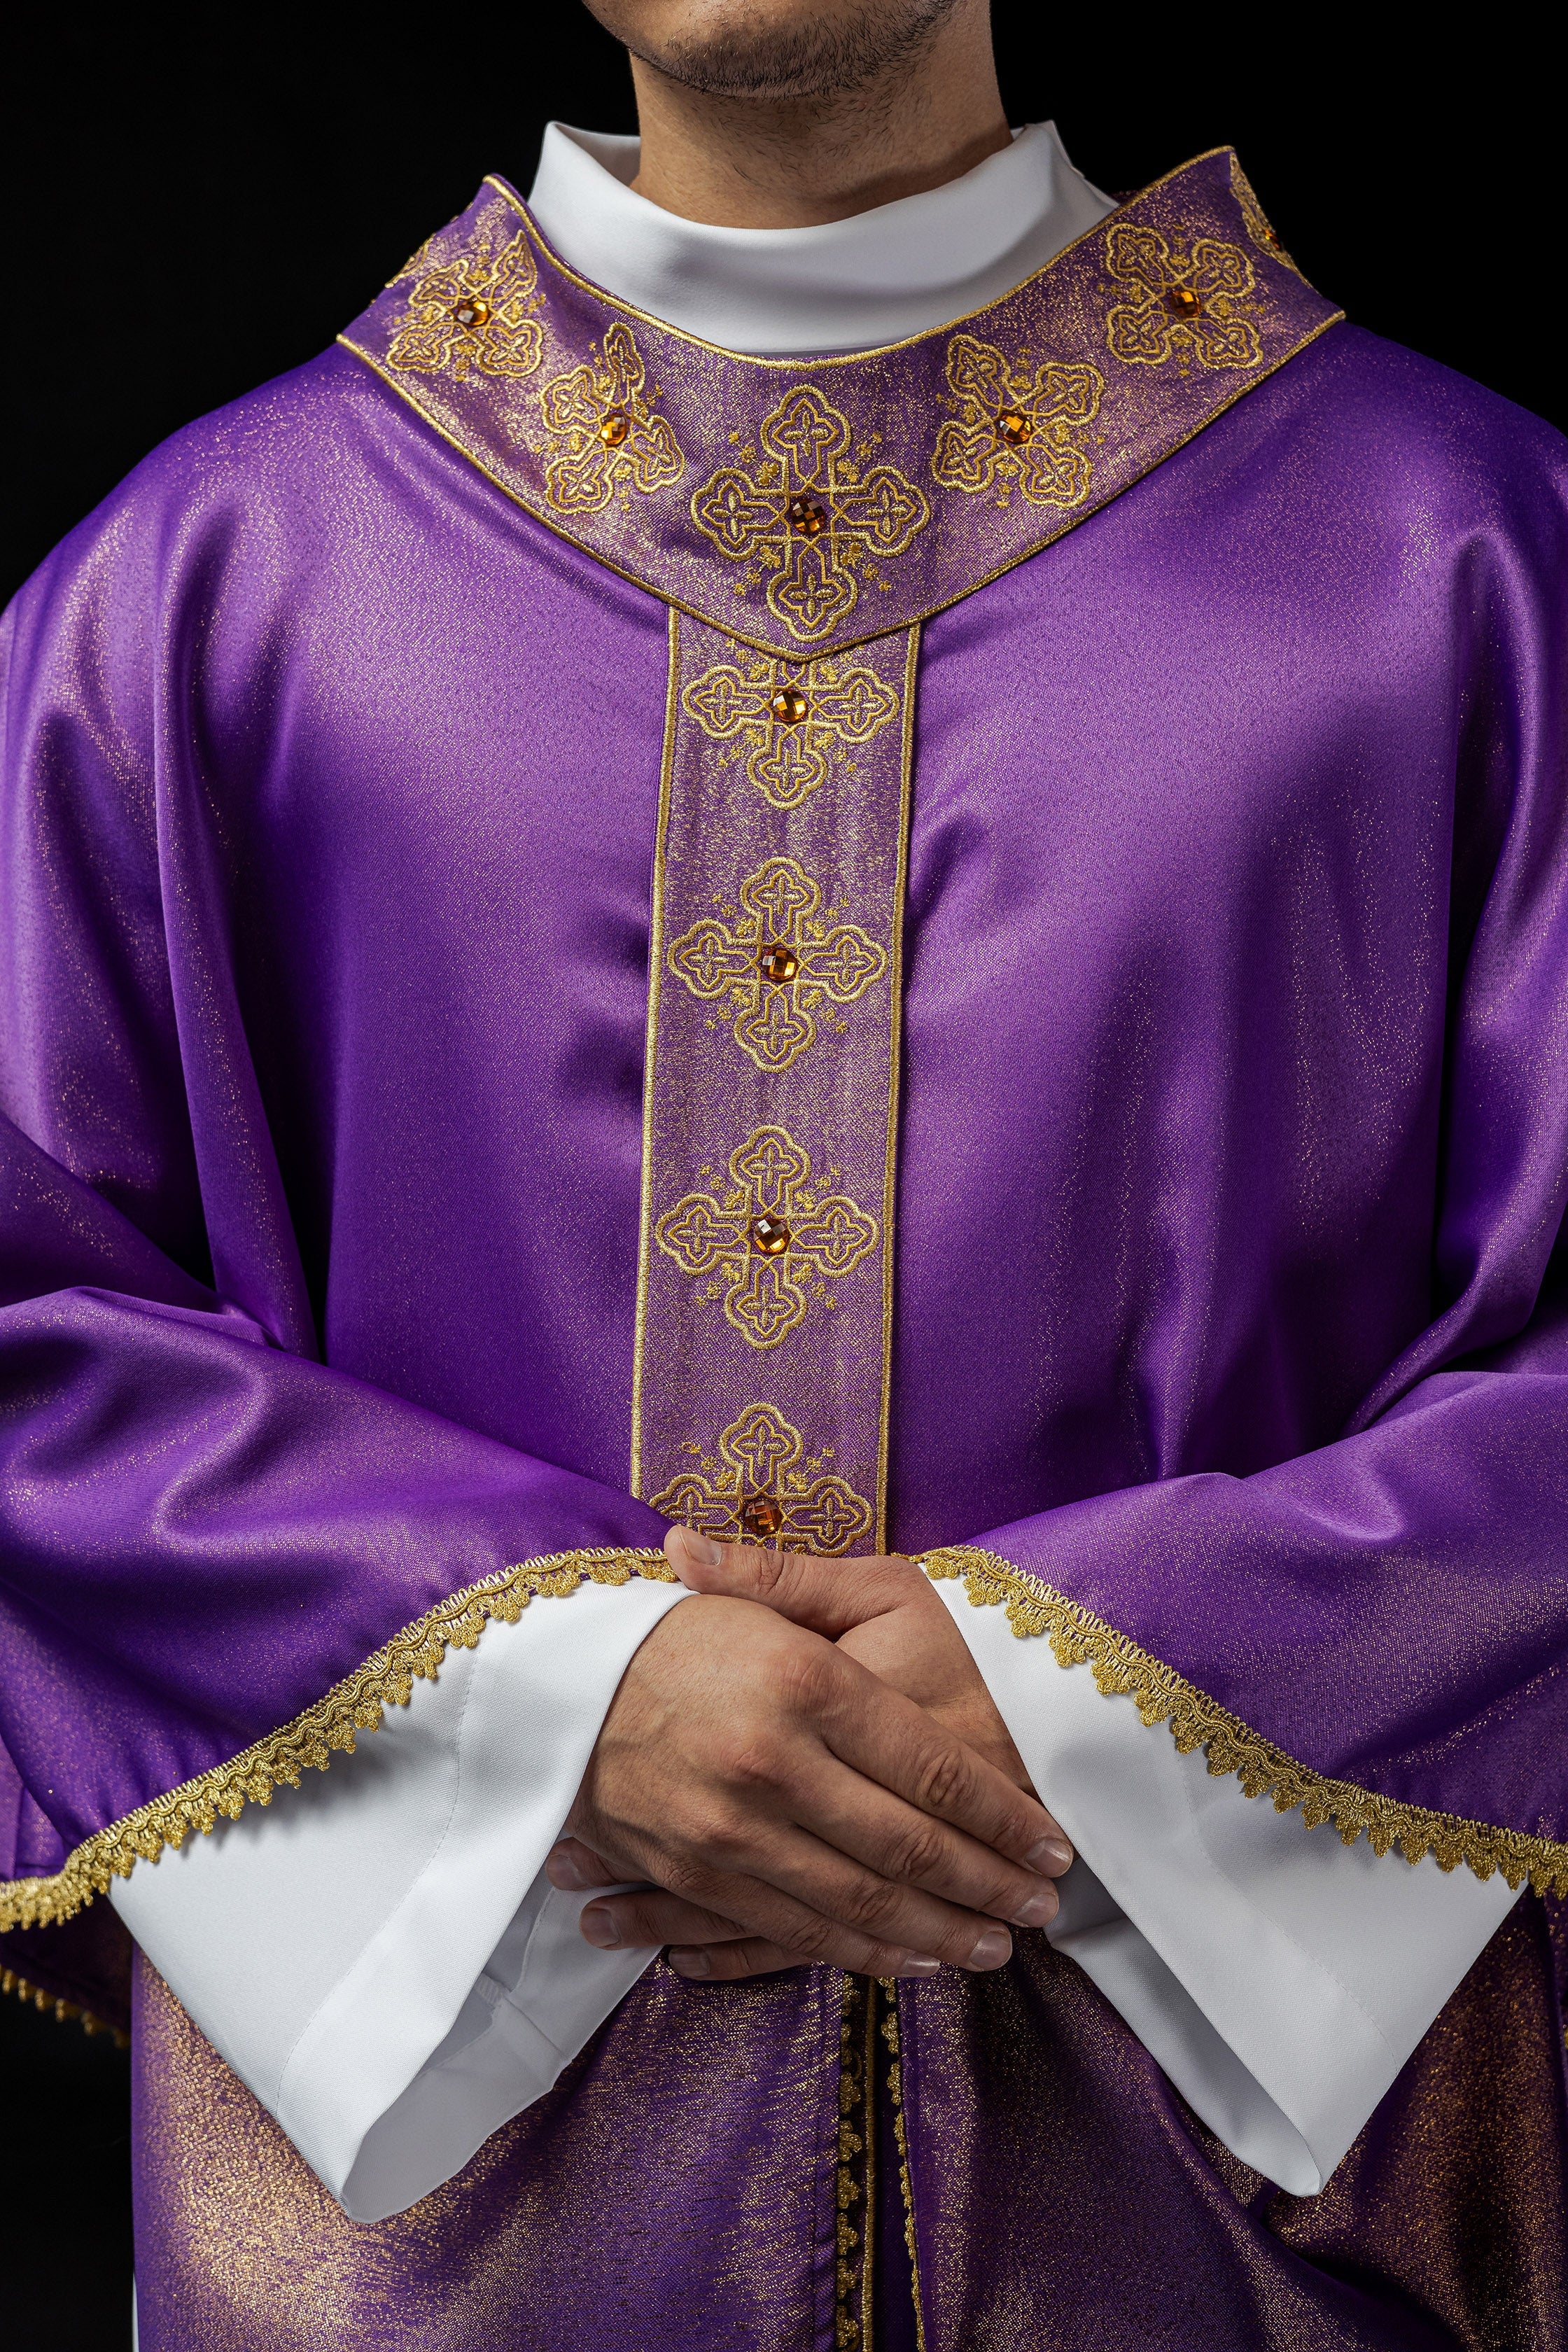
column 352, row 1706
column 1122, row 1669
column 64, row 2012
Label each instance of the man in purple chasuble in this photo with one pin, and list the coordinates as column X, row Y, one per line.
column 784, row 1035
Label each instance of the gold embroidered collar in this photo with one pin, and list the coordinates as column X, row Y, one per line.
column 809, row 506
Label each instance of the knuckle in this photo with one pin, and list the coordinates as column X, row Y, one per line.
column 917, row 1853
column 812, row 1938
column 865, row 1903
column 943, row 1777
column 808, row 1677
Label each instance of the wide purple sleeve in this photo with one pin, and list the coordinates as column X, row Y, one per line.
column 1377, row 1630
column 204, row 1529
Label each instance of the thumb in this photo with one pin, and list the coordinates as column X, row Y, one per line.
column 828, row 1596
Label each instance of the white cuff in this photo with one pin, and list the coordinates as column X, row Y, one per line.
column 1279, row 1977
column 375, row 1954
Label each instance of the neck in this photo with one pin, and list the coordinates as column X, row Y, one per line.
column 926, row 117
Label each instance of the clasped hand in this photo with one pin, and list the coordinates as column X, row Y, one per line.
column 805, row 1764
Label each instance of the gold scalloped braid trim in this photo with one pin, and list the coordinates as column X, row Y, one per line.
column 354, row 1704
column 64, row 2012
column 1122, row 1669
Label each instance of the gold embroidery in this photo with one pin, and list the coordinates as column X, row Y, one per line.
column 773, row 1232
column 352, row 1706
column 760, row 1487
column 604, row 436
column 1259, row 226
column 1078, row 1638
column 64, row 2012
column 1013, row 428
column 1186, row 302
column 889, row 1986
column 472, row 313
column 855, row 2180
column 791, row 717
column 777, row 963
column 809, row 515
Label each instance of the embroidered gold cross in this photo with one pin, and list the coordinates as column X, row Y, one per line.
column 605, row 435
column 472, row 313
column 770, row 1236
column 808, row 514
column 1183, row 303
column 1015, row 427
column 793, row 716
column 759, row 1491
column 777, row 963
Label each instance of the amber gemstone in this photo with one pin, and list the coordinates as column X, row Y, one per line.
column 805, row 517
column 614, row 426
column 770, row 1235
column 778, row 963
column 1183, row 303
column 471, row 311
column 1013, row 428
column 789, row 706
column 761, row 1515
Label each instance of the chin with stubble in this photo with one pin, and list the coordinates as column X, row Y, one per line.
column 777, row 49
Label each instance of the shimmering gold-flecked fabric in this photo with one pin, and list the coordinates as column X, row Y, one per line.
column 687, row 2164
column 770, row 1102
column 1067, row 2197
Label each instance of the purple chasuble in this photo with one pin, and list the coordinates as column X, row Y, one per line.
column 963, row 947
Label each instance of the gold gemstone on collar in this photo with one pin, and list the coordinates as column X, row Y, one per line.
column 807, row 518
column 778, row 963
column 1014, row 428
column 789, row 706
column 614, row 426
column 761, row 1515
column 1183, row 303
column 769, row 1236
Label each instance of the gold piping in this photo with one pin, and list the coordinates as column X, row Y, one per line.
column 64, row 2012
column 725, row 624
column 895, row 1049
column 1122, row 1669
column 650, row 1050
column 799, row 360
column 352, row 1706
column 890, row 2034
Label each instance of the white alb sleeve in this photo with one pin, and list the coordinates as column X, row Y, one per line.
column 377, row 1953
column 1279, row 1977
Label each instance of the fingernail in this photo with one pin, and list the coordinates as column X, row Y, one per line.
column 694, row 1963
column 914, row 1965
column 562, row 1869
column 1050, row 1855
column 703, row 1550
column 991, row 1949
column 598, row 1928
column 1037, row 1910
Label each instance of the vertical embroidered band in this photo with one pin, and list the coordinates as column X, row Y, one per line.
column 770, row 1094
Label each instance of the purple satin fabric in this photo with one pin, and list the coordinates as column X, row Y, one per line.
column 1234, row 1096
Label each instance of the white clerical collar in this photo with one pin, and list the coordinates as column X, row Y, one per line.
column 847, row 285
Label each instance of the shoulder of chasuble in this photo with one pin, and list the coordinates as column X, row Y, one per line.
column 811, row 505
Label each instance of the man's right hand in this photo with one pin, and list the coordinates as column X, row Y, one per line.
column 760, row 1774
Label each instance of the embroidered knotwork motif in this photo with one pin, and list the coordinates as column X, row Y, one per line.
column 791, row 717
column 774, row 1234
column 809, row 515
column 604, row 434
column 1259, row 226
column 1185, row 302
column 1014, row 428
column 777, row 963
column 760, row 1489
column 472, row 313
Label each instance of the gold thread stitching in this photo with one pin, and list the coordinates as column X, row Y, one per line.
column 809, row 515
column 774, row 1233
column 787, row 758
column 760, row 1461
column 895, row 1059
column 776, row 963
column 853, row 2176
column 650, row 1048
column 1186, row 303
column 352, row 1706
column 472, row 313
column 854, row 641
column 604, row 434
column 902, row 2141
column 64, row 2012
column 1122, row 1669
column 1014, row 429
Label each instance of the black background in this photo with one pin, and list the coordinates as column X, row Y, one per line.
column 195, row 203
